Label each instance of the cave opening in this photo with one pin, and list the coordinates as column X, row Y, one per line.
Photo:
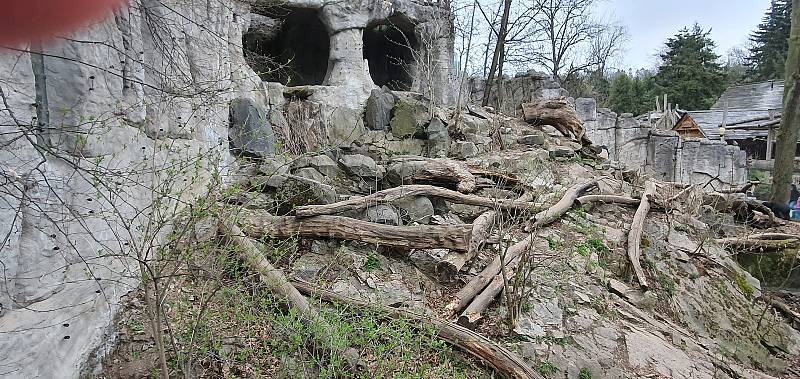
column 389, row 46
column 288, row 45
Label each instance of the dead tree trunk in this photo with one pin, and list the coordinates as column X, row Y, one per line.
column 397, row 193
column 453, row 262
column 441, row 172
column 274, row 278
column 465, row 296
column 555, row 212
column 558, row 113
column 454, row 237
column 635, row 235
column 506, row 363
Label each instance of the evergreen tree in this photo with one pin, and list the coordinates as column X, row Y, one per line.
column 631, row 95
column 771, row 42
column 620, row 94
column 689, row 73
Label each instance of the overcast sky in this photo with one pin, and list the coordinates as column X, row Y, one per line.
column 651, row 22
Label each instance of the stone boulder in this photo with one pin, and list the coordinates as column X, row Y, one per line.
column 382, row 214
column 378, row 112
column 250, row 130
column 402, row 172
column 463, row 149
column 533, row 139
column 321, row 163
column 362, row 166
column 409, row 116
column 345, row 125
column 417, row 209
column 438, row 138
column 312, row 174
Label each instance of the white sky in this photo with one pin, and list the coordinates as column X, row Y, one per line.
column 651, row 22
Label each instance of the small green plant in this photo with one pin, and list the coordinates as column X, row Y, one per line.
column 583, row 249
column 668, row 284
column 546, row 368
column 552, row 243
column 744, row 286
column 372, row 263
column 585, row 373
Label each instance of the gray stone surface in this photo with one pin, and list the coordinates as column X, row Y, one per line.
column 438, row 138
column 533, row 139
column 250, row 130
column 463, row 149
column 409, row 117
column 378, row 112
column 383, row 214
column 361, row 165
column 417, row 209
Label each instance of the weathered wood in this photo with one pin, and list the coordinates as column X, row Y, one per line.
column 635, row 235
column 442, row 172
column 556, row 112
column 760, row 242
column 506, row 363
column 394, row 194
column 607, row 199
column 465, row 296
column 454, row 237
column 274, row 278
column 453, row 262
column 500, row 178
column 555, row 212
column 474, row 311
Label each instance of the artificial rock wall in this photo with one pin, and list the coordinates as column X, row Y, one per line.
column 661, row 153
column 133, row 113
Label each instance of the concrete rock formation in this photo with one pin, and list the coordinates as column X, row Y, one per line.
column 143, row 100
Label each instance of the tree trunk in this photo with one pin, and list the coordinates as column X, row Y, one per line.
column 397, row 193
column 454, row 261
column 790, row 119
column 506, row 363
column 454, row 237
column 635, row 235
column 499, row 47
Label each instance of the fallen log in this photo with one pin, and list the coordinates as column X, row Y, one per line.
column 276, row 280
column 506, row 363
column 555, row 212
column 472, row 289
column 397, row 193
column 760, row 242
column 500, row 178
column 454, row 237
column 474, row 311
column 607, row 199
column 441, row 172
column 454, row 261
column 635, row 234
column 556, row 112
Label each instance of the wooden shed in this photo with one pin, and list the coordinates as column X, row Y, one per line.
column 687, row 128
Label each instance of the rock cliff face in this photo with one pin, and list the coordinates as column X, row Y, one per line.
column 102, row 127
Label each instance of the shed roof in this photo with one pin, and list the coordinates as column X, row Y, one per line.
column 710, row 120
column 755, row 96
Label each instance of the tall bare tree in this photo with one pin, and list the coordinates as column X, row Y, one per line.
column 499, row 51
column 566, row 26
column 790, row 121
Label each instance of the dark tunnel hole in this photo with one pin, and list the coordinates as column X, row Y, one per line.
column 389, row 47
column 288, row 45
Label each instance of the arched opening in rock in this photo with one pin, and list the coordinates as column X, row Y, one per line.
column 288, row 45
column 389, row 47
